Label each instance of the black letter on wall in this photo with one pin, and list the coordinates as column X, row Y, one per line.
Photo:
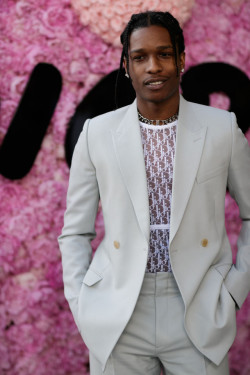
column 28, row 127
column 204, row 79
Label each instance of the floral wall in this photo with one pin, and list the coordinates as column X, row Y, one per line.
column 80, row 38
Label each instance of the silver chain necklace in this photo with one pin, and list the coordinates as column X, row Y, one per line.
column 157, row 122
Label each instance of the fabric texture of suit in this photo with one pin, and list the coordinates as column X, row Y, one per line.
column 108, row 164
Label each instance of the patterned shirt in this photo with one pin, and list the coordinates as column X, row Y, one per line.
column 159, row 150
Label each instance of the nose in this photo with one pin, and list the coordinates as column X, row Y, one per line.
column 154, row 65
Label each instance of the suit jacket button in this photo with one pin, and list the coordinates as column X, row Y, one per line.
column 204, row 242
column 117, row 244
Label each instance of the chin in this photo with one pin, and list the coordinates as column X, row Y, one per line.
column 158, row 100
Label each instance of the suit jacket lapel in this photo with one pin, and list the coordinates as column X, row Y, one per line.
column 189, row 145
column 129, row 152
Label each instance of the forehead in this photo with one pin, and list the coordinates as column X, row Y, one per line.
column 149, row 37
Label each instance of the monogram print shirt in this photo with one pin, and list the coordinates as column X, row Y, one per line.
column 159, row 150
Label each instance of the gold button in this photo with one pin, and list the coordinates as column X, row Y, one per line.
column 116, row 244
column 204, row 242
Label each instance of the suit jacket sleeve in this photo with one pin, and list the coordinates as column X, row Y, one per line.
column 79, row 221
column 238, row 278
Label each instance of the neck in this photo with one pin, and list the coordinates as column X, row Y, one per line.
column 158, row 111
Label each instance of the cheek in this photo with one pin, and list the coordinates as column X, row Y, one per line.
column 135, row 72
column 135, row 85
column 134, row 79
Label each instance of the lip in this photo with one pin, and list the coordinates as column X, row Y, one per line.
column 155, row 83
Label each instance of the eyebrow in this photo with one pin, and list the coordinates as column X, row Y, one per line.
column 159, row 48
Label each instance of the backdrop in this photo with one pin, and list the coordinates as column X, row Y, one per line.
column 80, row 39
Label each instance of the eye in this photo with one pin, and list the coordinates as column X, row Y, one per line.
column 166, row 54
column 138, row 58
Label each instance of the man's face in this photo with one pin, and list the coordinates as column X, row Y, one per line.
column 152, row 66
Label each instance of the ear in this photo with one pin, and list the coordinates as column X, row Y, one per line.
column 182, row 60
column 125, row 65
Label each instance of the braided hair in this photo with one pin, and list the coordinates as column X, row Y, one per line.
column 146, row 19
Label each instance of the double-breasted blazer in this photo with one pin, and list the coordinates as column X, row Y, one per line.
column 108, row 164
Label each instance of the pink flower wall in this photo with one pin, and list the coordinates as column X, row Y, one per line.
column 80, row 37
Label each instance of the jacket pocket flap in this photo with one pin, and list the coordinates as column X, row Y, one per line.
column 91, row 278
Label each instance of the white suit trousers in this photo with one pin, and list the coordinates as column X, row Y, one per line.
column 154, row 340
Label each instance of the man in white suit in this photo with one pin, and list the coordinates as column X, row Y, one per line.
column 161, row 291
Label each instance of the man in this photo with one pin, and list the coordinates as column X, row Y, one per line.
column 161, row 291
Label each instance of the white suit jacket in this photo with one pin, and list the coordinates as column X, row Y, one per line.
column 108, row 163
